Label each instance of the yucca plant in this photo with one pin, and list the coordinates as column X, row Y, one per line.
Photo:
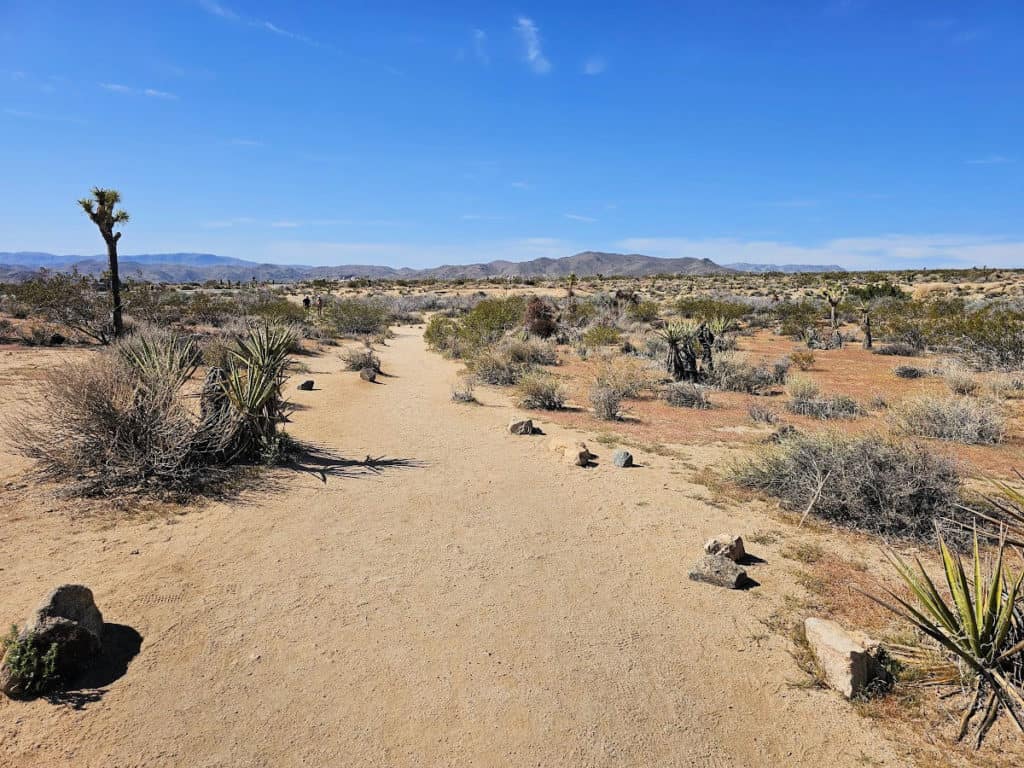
column 980, row 623
column 681, row 358
column 255, row 376
column 160, row 357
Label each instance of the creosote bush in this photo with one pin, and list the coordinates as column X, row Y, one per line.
column 957, row 419
column 867, row 482
column 356, row 317
column 601, row 336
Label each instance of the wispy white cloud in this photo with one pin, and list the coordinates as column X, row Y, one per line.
column 876, row 252
column 22, row 114
column 480, row 46
column 595, row 65
column 990, row 160
column 216, row 9
column 579, row 217
column 530, row 36
column 152, row 93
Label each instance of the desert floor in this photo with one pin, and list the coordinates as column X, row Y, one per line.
column 465, row 599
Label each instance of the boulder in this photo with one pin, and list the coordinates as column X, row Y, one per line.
column 521, row 426
column 720, row 571
column 578, row 455
column 368, row 374
column 307, row 385
column 849, row 660
column 622, row 458
column 70, row 619
column 726, row 545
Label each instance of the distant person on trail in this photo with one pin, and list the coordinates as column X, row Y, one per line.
column 319, row 306
column 305, row 304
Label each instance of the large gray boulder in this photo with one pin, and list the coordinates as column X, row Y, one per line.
column 68, row 619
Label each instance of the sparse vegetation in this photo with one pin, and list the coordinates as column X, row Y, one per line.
column 541, row 391
column 868, row 482
column 33, row 667
column 959, row 419
column 685, row 394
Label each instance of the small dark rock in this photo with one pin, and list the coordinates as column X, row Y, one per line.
column 521, row 426
column 368, row 374
column 57, row 339
column 307, row 385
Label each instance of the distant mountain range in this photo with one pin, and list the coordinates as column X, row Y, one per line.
column 198, row 267
column 789, row 269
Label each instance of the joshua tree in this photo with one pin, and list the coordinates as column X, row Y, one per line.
column 834, row 293
column 706, row 337
column 865, row 323
column 681, row 360
column 101, row 208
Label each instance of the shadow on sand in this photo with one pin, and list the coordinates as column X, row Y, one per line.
column 121, row 644
column 323, row 463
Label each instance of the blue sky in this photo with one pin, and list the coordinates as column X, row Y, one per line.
column 863, row 132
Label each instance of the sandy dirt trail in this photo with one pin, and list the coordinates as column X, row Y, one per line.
column 484, row 606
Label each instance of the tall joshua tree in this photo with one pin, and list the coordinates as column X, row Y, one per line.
column 102, row 209
column 834, row 294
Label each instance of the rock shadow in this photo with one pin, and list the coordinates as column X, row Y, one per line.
column 121, row 644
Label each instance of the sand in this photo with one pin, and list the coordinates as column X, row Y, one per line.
column 468, row 601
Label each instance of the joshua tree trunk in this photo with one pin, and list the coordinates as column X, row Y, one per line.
column 866, row 326
column 115, row 284
column 707, row 341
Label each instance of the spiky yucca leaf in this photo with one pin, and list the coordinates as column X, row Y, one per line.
column 974, row 624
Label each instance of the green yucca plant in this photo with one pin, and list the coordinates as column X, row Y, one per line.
column 160, row 357
column 681, row 358
column 255, row 376
column 980, row 624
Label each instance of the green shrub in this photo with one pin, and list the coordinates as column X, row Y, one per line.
column 802, row 359
column 795, row 317
column 867, row 482
column 643, row 311
column 601, row 336
column 489, row 320
column 704, row 307
column 33, row 670
column 356, row 317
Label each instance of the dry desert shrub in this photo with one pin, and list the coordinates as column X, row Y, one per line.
column 121, row 421
column 867, row 482
column 802, row 359
column 542, row 391
column 734, row 374
column 910, row 372
column 626, row 376
column 806, row 400
column 358, row 359
column 960, row 380
column 605, row 401
column 957, row 419
column 761, row 414
column 463, row 391
column 683, row 394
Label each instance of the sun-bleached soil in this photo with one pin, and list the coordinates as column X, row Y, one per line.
column 463, row 598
